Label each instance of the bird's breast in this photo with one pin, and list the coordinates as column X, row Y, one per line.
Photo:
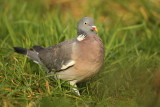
column 91, row 49
column 88, row 55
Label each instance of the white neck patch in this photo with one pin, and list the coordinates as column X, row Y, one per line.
column 80, row 37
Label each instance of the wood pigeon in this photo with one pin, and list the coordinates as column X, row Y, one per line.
column 73, row 60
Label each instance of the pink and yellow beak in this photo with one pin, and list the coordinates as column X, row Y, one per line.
column 94, row 28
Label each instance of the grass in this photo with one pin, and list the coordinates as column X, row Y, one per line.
column 127, row 78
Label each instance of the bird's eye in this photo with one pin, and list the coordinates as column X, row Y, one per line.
column 85, row 23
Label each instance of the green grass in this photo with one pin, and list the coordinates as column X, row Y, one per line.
column 132, row 56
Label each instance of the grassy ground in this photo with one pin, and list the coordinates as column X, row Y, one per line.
column 127, row 77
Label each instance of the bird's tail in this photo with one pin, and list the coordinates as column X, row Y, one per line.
column 32, row 54
column 29, row 53
column 20, row 50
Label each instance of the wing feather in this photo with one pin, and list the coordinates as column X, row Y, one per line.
column 57, row 57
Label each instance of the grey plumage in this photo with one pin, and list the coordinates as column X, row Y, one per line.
column 56, row 56
column 29, row 53
column 75, row 59
column 32, row 54
column 84, row 26
column 53, row 57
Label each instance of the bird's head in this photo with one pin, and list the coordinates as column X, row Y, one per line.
column 86, row 26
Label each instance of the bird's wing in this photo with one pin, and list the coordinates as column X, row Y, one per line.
column 57, row 57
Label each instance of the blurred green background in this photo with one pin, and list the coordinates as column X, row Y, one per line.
column 130, row 30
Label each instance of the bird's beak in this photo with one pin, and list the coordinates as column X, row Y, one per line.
column 94, row 28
